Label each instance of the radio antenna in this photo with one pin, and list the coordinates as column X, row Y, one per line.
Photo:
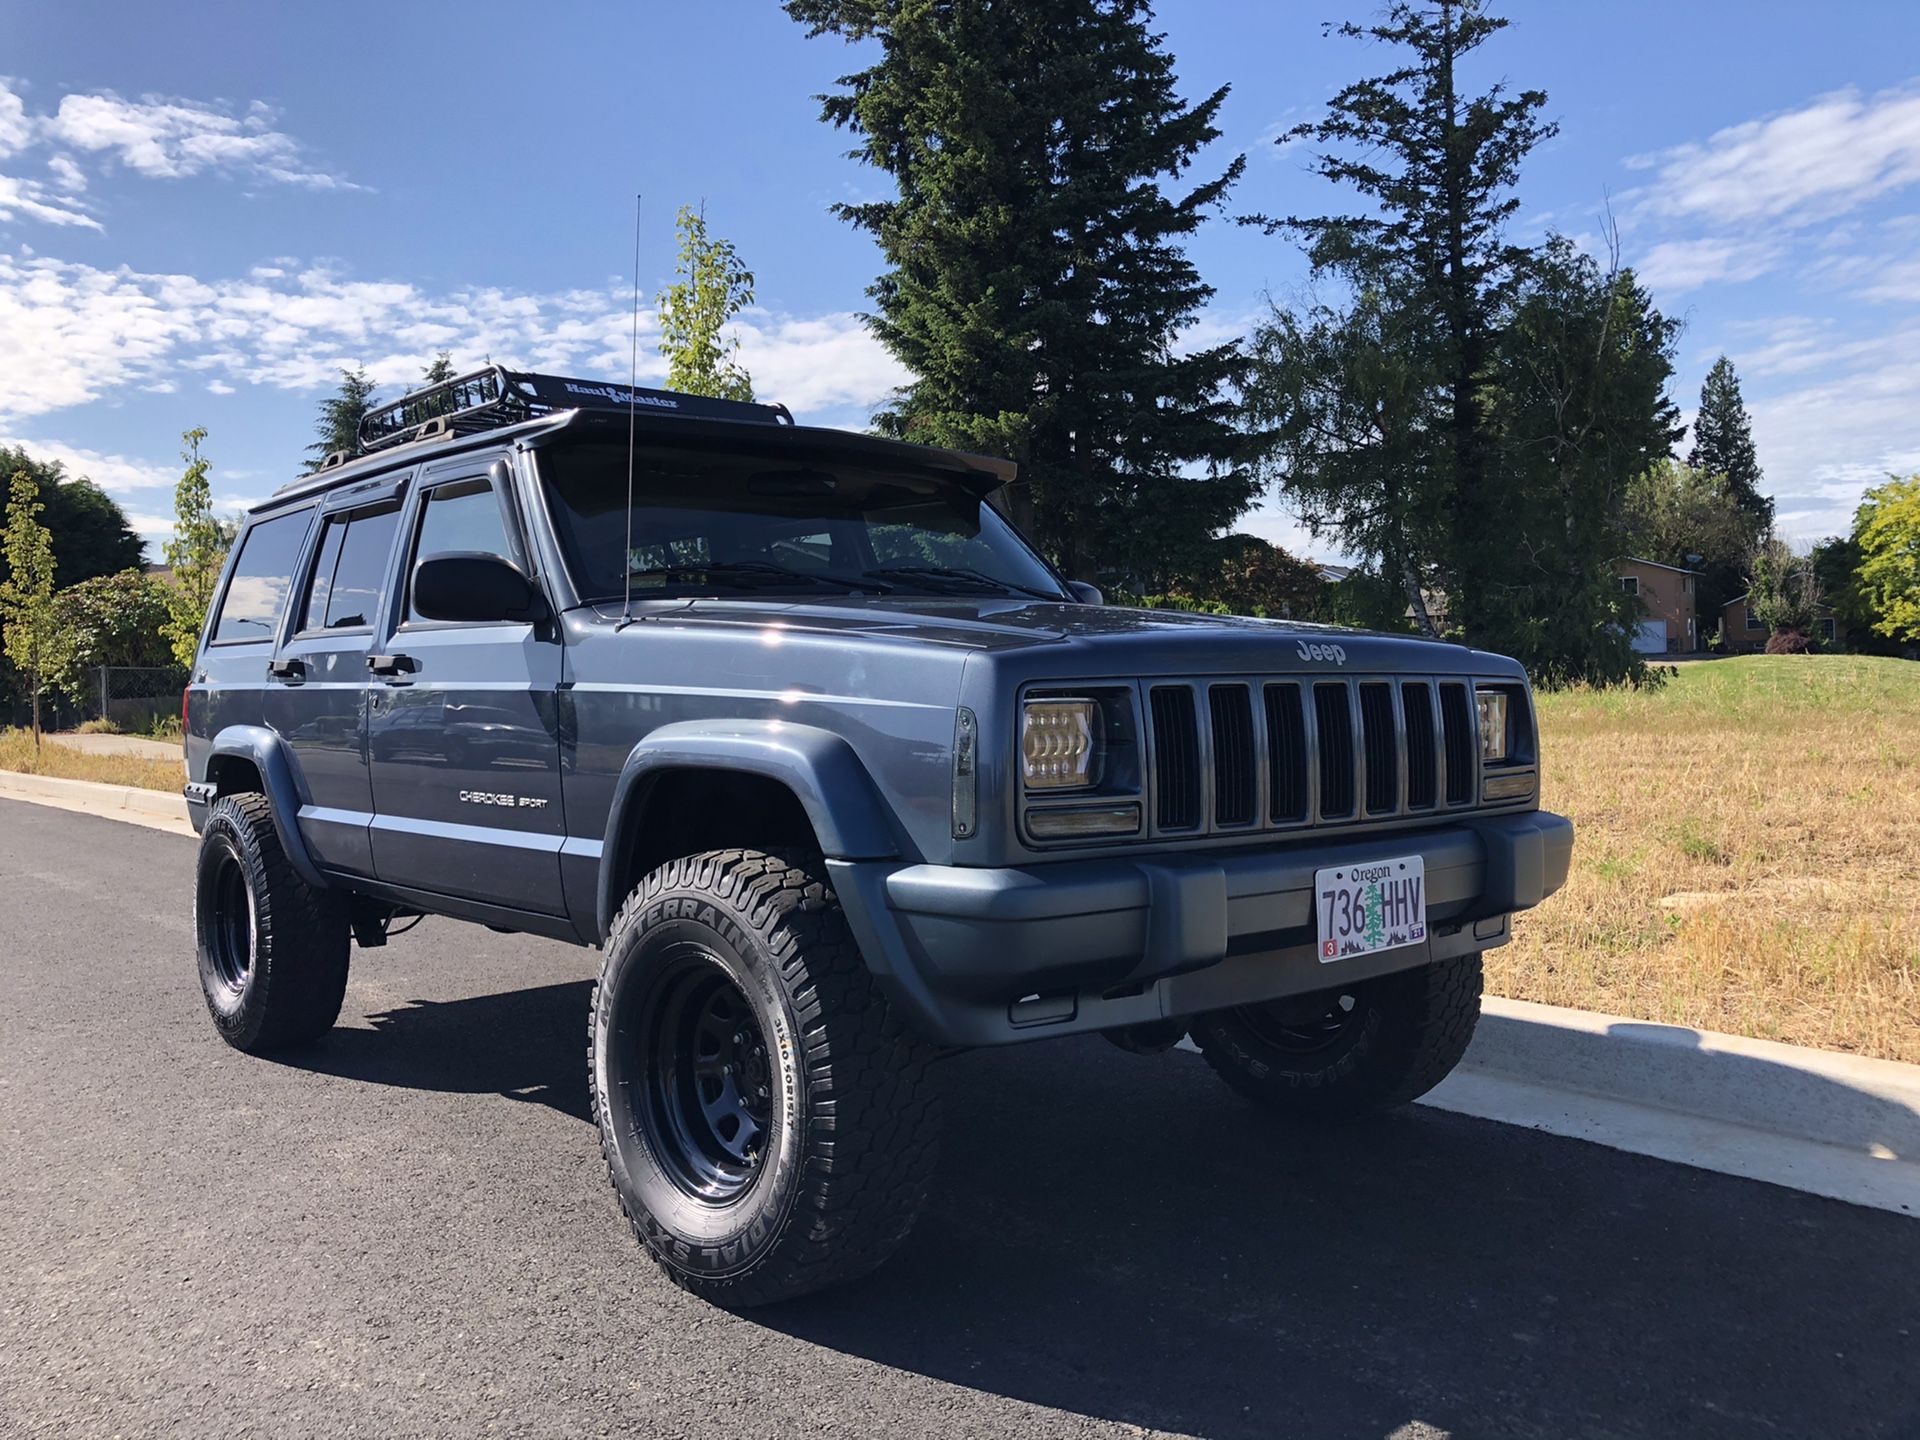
column 633, row 400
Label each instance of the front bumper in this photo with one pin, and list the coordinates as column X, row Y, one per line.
column 986, row 957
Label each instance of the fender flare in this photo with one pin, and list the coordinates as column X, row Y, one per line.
column 268, row 753
column 826, row 776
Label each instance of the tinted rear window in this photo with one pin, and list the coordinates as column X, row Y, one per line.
column 262, row 575
column 351, row 575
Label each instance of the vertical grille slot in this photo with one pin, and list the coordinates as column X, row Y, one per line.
column 1333, row 717
column 1416, row 702
column 1462, row 743
column 1236, row 781
column 1286, row 754
column 1383, row 749
column 1176, row 757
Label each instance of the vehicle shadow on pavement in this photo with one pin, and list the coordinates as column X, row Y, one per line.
column 525, row 1044
column 1120, row 1237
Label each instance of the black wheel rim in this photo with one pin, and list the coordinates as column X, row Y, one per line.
column 707, row 1091
column 230, row 924
column 1306, row 1024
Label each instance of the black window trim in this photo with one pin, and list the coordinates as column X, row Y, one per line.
column 362, row 503
column 278, row 634
column 469, row 471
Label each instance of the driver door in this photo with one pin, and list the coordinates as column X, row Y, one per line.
column 463, row 733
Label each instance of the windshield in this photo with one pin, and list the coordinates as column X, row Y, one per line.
column 706, row 524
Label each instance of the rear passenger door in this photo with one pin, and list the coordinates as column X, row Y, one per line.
column 463, row 730
column 317, row 690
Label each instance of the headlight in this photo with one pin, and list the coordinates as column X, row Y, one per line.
column 1493, row 724
column 1059, row 744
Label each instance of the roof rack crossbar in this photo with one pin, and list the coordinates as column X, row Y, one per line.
column 494, row 396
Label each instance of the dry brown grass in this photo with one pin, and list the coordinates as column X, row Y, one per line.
column 1748, row 854
column 17, row 753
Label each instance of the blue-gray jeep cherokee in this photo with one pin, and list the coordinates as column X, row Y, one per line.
column 839, row 774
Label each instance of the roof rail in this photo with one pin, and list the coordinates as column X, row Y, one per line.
column 493, row 396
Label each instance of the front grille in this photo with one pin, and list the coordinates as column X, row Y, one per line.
column 1236, row 773
column 1176, row 758
column 1251, row 752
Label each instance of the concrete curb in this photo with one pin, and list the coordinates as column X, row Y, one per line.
column 1831, row 1124
column 155, row 809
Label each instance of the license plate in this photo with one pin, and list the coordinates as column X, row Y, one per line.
column 1378, row 905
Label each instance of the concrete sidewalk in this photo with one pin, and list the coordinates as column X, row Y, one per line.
column 138, row 745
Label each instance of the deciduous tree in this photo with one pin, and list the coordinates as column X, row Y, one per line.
column 1037, row 286
column 94, row 535
column 195, row 553
column 711, row 286
column 1887, row 529
column 29, row 624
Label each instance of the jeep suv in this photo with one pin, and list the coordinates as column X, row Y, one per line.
column 839, row 774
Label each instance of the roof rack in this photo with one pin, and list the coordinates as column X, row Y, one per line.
column 494, row 396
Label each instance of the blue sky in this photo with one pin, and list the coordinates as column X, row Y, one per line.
column 205, row 210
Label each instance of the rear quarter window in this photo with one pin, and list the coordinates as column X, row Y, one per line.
column 256, row 592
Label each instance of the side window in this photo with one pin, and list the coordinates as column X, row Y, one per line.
column 462, row 516
column 262, row 576
column 350, row 576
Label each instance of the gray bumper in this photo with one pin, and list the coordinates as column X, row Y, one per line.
column 982, row 957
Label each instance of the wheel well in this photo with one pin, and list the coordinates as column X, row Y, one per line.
column 234, row 775
column 683, row 812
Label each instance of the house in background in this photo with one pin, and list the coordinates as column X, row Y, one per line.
column 1668, row 600
column 1741, row 632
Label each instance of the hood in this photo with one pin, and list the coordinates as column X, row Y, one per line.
column 1114, row 638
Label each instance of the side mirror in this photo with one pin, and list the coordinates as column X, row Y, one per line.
column 1086, row 594
column 474, row 587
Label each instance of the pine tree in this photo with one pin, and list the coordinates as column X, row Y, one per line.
column 712, row 286
column 1037, row 286
column 440, row 370
column 1435, row 274
column 32, row 632
column 1723, row 444
column 338, row 425
column 195, row 553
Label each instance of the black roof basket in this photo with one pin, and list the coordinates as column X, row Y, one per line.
column 493, row 396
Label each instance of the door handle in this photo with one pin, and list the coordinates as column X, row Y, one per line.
column 287, row 669
column 392, row 664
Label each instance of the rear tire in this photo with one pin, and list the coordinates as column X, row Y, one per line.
column 273, row 950
column 768, row 1124
column 1350, row 1051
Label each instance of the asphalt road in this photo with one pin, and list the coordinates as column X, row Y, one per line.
column 406, row 1230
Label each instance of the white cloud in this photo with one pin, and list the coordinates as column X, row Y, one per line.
column 89, row 332
column 1796, row 167
column 16, row 131
column 1851, row 422
column 1674, row 266
column 109, row 472
column 171, row 139
column 151, row 136
column 25, row 199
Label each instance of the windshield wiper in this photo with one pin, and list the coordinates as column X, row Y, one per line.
column 758, row 572
column 956, row 575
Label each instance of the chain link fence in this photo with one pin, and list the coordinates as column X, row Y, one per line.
column 133, row 698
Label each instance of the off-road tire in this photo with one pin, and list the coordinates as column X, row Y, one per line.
column 1402, row 1036
column 273, row 976
column 851, row 1119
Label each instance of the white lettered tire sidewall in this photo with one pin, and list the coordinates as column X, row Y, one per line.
column 712, row 1240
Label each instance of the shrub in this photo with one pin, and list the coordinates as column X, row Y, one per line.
column 1789, row 642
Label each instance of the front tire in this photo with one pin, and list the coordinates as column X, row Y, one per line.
column 1350, row 1051
column 768, row 1125
column 273, row 950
